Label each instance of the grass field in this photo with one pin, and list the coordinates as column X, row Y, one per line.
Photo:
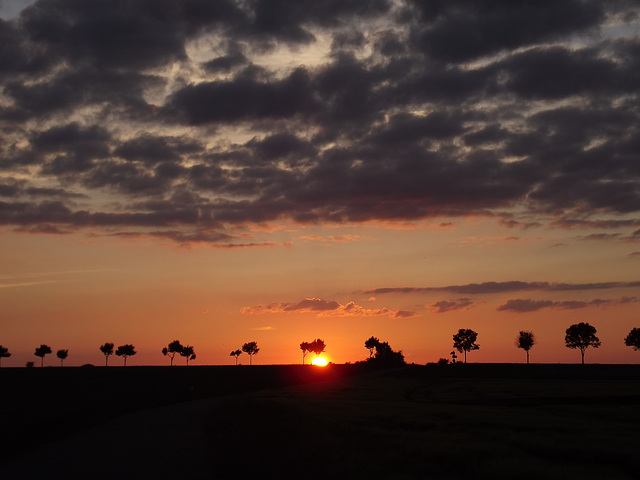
column 423, row 424
column 441, row 422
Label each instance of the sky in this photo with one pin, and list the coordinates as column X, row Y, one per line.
column 279, row 171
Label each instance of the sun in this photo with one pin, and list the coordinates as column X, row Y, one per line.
column 319, row 362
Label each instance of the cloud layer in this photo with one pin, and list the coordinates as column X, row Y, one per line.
column 179, row 120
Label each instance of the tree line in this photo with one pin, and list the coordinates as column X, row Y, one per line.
column 579, row 336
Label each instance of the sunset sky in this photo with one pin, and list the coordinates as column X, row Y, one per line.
column 280, row 171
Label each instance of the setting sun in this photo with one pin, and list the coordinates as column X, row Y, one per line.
column 319, row 362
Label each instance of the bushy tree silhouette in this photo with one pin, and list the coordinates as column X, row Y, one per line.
column 251, row 349
column 29, row 364
column 4, row 353
column 633, row 339
column 125, row 351
column 62, row 354
column 41, row 351
column 525, row 341
column 384, row 355
column 306, row 348
column 317, row 346
column 172, row 349
column 188, row 353
column 236, row 353
column 106, row 349
column 465, row 341
column 371, row 344
column 581, row 336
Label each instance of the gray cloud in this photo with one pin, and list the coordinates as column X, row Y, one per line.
column 418, row 110
column 527, row 305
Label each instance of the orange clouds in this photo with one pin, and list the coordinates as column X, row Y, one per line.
column 327, row 308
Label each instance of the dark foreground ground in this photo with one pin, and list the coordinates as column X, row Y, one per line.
column 441, row 422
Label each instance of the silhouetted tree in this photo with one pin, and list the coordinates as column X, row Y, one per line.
column 525, row 341
column 188, row 353
column 371, row 344
column 62, row 354
column 465, row 341
column 171, row 351
column 29, row 364
column 633, row 339
column 106, row 349
column 4, row 353
column 236, row 353
column 306, row 348
column 125, row 351
column 41, row 351
column 385, row 356
column 582, row 336
column 251, row 349
column 317, row 346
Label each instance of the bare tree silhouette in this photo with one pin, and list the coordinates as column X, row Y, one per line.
column 4, row 353
column 525, row 341
column 465, row 341
column 633, row 339
column 251, row 349
column 170, row 351
column 62, row 354
column 125, row 351
column 188, row 352
column 106, row 349
column 371, row 344
column 41, row 351
column 306, row 348
column 236, row 353
column 581, row 336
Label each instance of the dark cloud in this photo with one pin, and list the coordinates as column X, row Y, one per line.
column 243, row 99
column 522, row 111
column 462, row 30
column 528, row 305
column 444, row 306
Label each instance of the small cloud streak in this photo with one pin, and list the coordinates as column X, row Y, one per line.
column 503, row 287
column 444, row 306
column 326, row 308
column 520, row 305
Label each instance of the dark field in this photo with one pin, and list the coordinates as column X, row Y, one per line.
column 456, row 421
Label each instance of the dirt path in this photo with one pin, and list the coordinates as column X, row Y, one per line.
column 161, row 443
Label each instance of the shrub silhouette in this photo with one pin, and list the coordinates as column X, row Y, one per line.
column 172, row 349
column 236, row 353
column 41, row 351
column 62, row 354
column 581, row 336
column 106, row 349
column 525, row 341
column 125, row 351
column 4, row 353
column 251, row 349
column 465, row 341
column 633, row 339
